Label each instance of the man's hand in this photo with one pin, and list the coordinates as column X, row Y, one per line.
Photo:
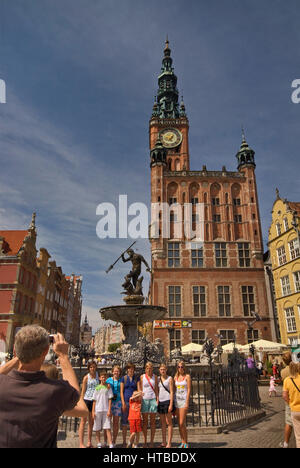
column 60, row 346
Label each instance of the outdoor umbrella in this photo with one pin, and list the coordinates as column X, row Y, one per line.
column 229, row 347
column 191, row 348
column 264, row 345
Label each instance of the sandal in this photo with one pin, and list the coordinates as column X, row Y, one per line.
column 163, row 445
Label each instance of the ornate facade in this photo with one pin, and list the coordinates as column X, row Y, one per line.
column 215, row 284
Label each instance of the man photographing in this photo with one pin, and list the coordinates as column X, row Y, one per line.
column 30, row 403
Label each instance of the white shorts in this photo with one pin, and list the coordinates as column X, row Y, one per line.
column 102, row 421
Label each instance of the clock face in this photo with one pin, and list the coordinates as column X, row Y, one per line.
column 170, row 137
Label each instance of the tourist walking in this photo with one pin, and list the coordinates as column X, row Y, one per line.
column 291, row 395
column 183, row 386
column 288, row 429
column 148, row 385
column 272, row 386
column 116, row 407
column 89, row 383
column 165, row 405
column 129, row 383
column 101, row 411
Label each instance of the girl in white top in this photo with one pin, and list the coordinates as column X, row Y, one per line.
column 89, row 383
column 183, row 384
column 148, row 384
column 165, row 405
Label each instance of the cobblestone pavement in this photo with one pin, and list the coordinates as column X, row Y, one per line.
column 266, row 433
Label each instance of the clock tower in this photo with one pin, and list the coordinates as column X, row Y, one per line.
column 213, row 285
column 169, row 123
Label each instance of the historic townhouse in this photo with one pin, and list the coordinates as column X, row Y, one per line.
column 284, row 237
column 214, row 288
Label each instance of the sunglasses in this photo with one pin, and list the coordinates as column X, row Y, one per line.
column 180, row 367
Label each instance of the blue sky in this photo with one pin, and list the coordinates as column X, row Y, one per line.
column 81, row 78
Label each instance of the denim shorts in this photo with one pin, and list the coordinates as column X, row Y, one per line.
column 149, row 406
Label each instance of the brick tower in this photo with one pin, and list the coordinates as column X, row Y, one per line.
column 214, row 288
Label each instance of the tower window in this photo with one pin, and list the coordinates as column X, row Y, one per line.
column 175, row 301
column 221, row 254
column 199, row 301
column 224, row 301
column 244, row 254
column 248, row 300
column 237, row 201
column 173, row 254
column 238, row 218
column 215, row 201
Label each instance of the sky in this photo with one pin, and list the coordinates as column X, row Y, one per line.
column 81, row 76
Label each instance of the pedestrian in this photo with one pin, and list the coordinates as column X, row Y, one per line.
column 272, row 386
column 166, row 405
column 135, row 419
column 183, row 384
column 89, row 383
column 288, row 429
column 129, row 384
column 148, row 385
column 31, row 404
column 116, row 408
column 101, row 412
column 291, row 395
column 250, row 362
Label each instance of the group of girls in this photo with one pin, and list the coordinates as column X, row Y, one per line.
column 162, row 395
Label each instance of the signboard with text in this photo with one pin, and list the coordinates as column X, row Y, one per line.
column 172, row 324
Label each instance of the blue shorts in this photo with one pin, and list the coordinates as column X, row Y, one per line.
column 116, row 408
column 149, row 406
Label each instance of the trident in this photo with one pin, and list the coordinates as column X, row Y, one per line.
column 111, row 266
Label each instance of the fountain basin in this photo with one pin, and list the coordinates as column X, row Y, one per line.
column 132, row 316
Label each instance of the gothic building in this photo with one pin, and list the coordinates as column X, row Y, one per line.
column 214, row 288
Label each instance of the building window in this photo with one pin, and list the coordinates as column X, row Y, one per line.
column 237, row 201
column 227, row 336
column 297, row 281
column 252, row 335
column 175, row 339
column 215, row 201
column 199, row 301
column 285, row 285
column 286, row 224
column 278, row 229
column 281, row 255
column 244, row 254
column 290, row 320
column 175, row 301
column 198, row 336
column 248, row 300
column 172, row 201
column 173, row 254
column 197, row 257
column 216, row 218
column 221, row 254
column 195, row 201
column 224, row 301
column 294, row 249
column 238, row 218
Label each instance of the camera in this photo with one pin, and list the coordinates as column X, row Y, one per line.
column 51, row 339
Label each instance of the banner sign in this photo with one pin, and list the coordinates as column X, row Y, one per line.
column 173, row 324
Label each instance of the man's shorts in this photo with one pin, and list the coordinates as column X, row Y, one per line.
column 102, row 421
column 288, row 416
column 149, row 406
column 135, row 425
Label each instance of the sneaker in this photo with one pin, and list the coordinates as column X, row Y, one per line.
column 99, row 445
column 111, row 446
column 180, row 446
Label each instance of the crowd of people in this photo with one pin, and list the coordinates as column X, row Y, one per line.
column 133, row 401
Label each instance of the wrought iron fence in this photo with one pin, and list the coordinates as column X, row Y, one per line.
column 218, row 397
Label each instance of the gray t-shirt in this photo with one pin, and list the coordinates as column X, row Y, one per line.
column 30, row 406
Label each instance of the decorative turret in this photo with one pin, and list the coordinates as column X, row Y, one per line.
column 245, row 155
column 158, row 154
column 167, row 96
